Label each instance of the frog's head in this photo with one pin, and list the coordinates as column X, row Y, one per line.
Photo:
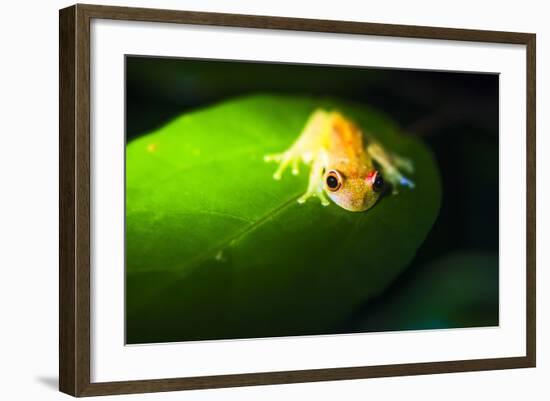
column 354, row 193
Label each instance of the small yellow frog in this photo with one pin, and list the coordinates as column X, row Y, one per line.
column 340, row 163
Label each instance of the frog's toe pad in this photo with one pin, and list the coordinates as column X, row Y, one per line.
column 273, row 157
column 322, row 198
column 404, row 181
column 303, row 199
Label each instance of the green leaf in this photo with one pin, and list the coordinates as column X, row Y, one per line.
column 457, row 290
column 215, row 248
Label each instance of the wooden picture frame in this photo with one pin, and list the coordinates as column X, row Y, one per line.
column 74, row 206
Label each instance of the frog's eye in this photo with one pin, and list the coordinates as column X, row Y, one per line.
column 377, row 182
column 334, row 180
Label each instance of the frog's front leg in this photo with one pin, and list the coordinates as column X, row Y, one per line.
column 304, row 148
column 285, row 159
column 315, row 185
column 391, row 165
column 308, row 148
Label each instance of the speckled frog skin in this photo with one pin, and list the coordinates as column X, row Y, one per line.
column 347, row 166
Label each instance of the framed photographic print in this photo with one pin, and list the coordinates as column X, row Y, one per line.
column 251, row 200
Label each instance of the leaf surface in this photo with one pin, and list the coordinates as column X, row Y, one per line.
column 215, row 248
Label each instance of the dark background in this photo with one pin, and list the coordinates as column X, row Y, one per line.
column 455, row 114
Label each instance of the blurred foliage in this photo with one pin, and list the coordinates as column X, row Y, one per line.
column 457, row 290
column 218, row 249
column 161, row 88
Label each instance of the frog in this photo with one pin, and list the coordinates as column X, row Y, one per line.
column 347, row 165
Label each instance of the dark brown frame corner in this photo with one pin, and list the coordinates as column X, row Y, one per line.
column 74, row 195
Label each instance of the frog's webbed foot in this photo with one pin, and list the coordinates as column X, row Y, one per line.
column 318, row 193
column 391, row 165
column 285, row 159
column 315, row 187
column 394, row 174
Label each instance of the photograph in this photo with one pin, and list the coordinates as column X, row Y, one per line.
column 277, row 199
